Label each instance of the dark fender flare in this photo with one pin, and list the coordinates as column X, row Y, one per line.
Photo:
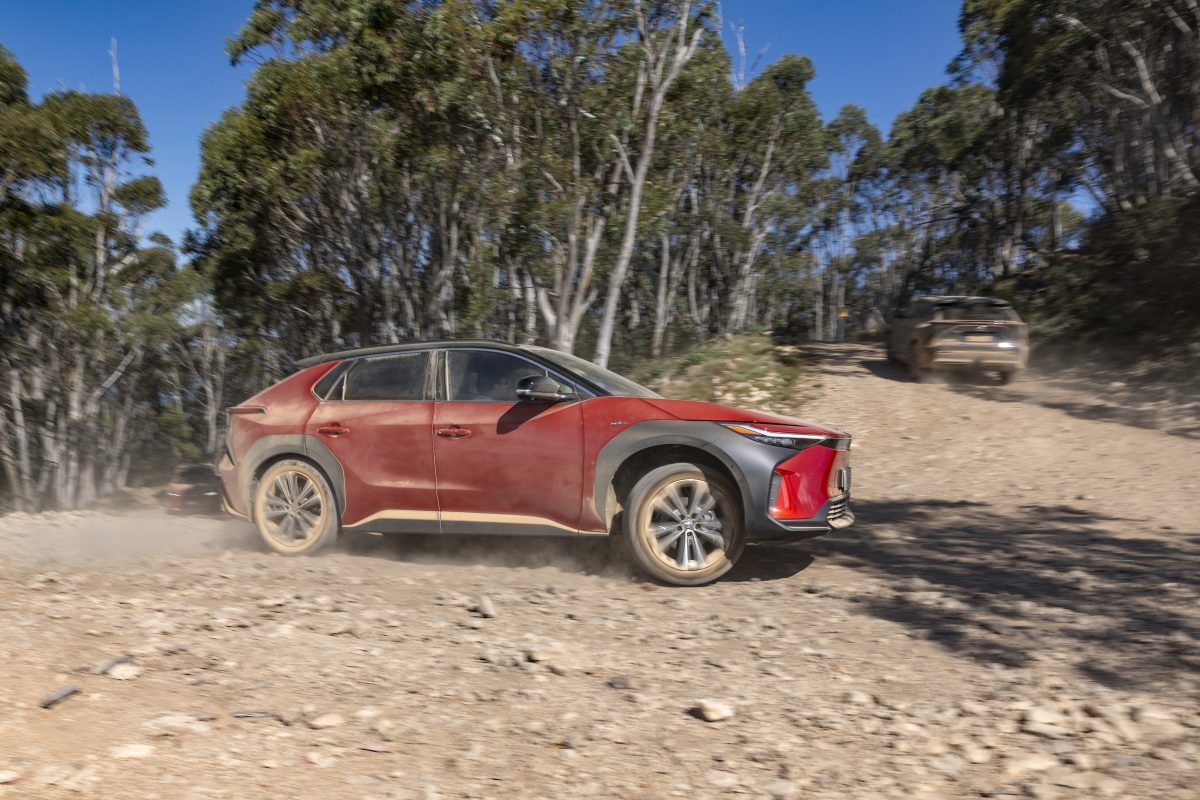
column 309, row 448
column 709, row 437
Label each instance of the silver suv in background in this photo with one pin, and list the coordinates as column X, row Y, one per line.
column 981, row 334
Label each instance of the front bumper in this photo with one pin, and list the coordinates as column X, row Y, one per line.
column 834, row 515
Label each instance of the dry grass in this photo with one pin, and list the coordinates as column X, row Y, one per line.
column 747, row 370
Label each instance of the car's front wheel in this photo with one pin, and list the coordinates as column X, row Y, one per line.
column 684, row 524
column 294, row 508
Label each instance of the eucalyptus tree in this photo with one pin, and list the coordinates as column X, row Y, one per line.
column 668, row 35
column 83, row 299
column 776, row 147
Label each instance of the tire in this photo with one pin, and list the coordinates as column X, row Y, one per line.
column 677, row 486
column 1007, row 376
column 295, row 510
column 918, row 372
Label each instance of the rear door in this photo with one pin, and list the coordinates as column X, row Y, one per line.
column 504, row 465
column 377, row 420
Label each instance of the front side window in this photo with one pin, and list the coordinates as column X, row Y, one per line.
column 486, row 376
column 398, row 377
column 608, row 381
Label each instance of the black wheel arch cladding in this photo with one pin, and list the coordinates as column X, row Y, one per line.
column 274, row 447
column 749, row 463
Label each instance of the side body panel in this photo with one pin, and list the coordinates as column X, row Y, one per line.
column 509, row 467
column 275, row 426
column 386, row 452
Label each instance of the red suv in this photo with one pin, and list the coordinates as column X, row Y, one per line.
column 473, row 437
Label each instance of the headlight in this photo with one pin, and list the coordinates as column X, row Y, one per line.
column 795, row 441
column 1006, row 345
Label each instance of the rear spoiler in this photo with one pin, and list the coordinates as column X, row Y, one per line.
column 960, row 301
column 246, row 410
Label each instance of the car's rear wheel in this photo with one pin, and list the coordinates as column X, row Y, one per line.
column 294, row 508
column 1007, row 376
column 917, row 368
column 684, row 524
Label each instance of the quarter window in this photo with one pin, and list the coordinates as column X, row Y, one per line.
column 399, row 377
column 485, row 376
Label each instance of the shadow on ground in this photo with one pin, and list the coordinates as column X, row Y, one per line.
column 1042, row 582
column 1134, row 416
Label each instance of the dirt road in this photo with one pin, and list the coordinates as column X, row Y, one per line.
column 1017, row 613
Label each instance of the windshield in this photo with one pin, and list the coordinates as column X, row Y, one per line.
column 608, row 381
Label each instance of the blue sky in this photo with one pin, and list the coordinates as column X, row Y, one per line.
column 879, row 54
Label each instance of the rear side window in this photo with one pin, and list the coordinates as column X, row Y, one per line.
column 486, row 376
column 329, row 387
column 398, row 377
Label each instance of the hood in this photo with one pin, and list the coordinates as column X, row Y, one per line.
column 714, row 412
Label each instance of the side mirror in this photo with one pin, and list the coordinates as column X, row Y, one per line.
column 543, row 388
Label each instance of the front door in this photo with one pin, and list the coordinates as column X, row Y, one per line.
column 504, row 465
column 378, row 422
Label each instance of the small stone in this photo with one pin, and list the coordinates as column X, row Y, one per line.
column 712, row 710
column 53, row 699
column 622, row 682
column 543, row 652
column 1044, row 722
column 949, row 763
column 975, row 754
column 486, row 608
column 171, row 724
column 1034, row 762
column 326, row 721
column 859, row 698
column 318, row 759
column 125, row 671
column 723, row 780
column 783, row 790
column 9, row 776
column 105, row 667
column 132, row 751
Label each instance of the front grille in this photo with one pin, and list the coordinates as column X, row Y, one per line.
column 839, row 508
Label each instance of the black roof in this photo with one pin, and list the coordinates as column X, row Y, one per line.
column 404, row 347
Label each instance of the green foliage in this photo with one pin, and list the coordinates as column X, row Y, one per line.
column 749, row 370
column 89, row 314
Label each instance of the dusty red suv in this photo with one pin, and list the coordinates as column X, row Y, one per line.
column 472, row 437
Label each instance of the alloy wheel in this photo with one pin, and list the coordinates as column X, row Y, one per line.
column 688, row 524
column 292, row 508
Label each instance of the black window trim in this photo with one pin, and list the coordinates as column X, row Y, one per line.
column 340, row 382
column 442, row 387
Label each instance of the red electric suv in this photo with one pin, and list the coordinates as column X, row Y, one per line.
column 472, row 437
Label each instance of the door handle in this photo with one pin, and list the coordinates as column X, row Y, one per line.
column 332, row 430
column 453, row 432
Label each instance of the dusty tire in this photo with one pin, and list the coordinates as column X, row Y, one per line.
column 916, row 370
column 295, row 509
column 665, row 543
column 1007, row 376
